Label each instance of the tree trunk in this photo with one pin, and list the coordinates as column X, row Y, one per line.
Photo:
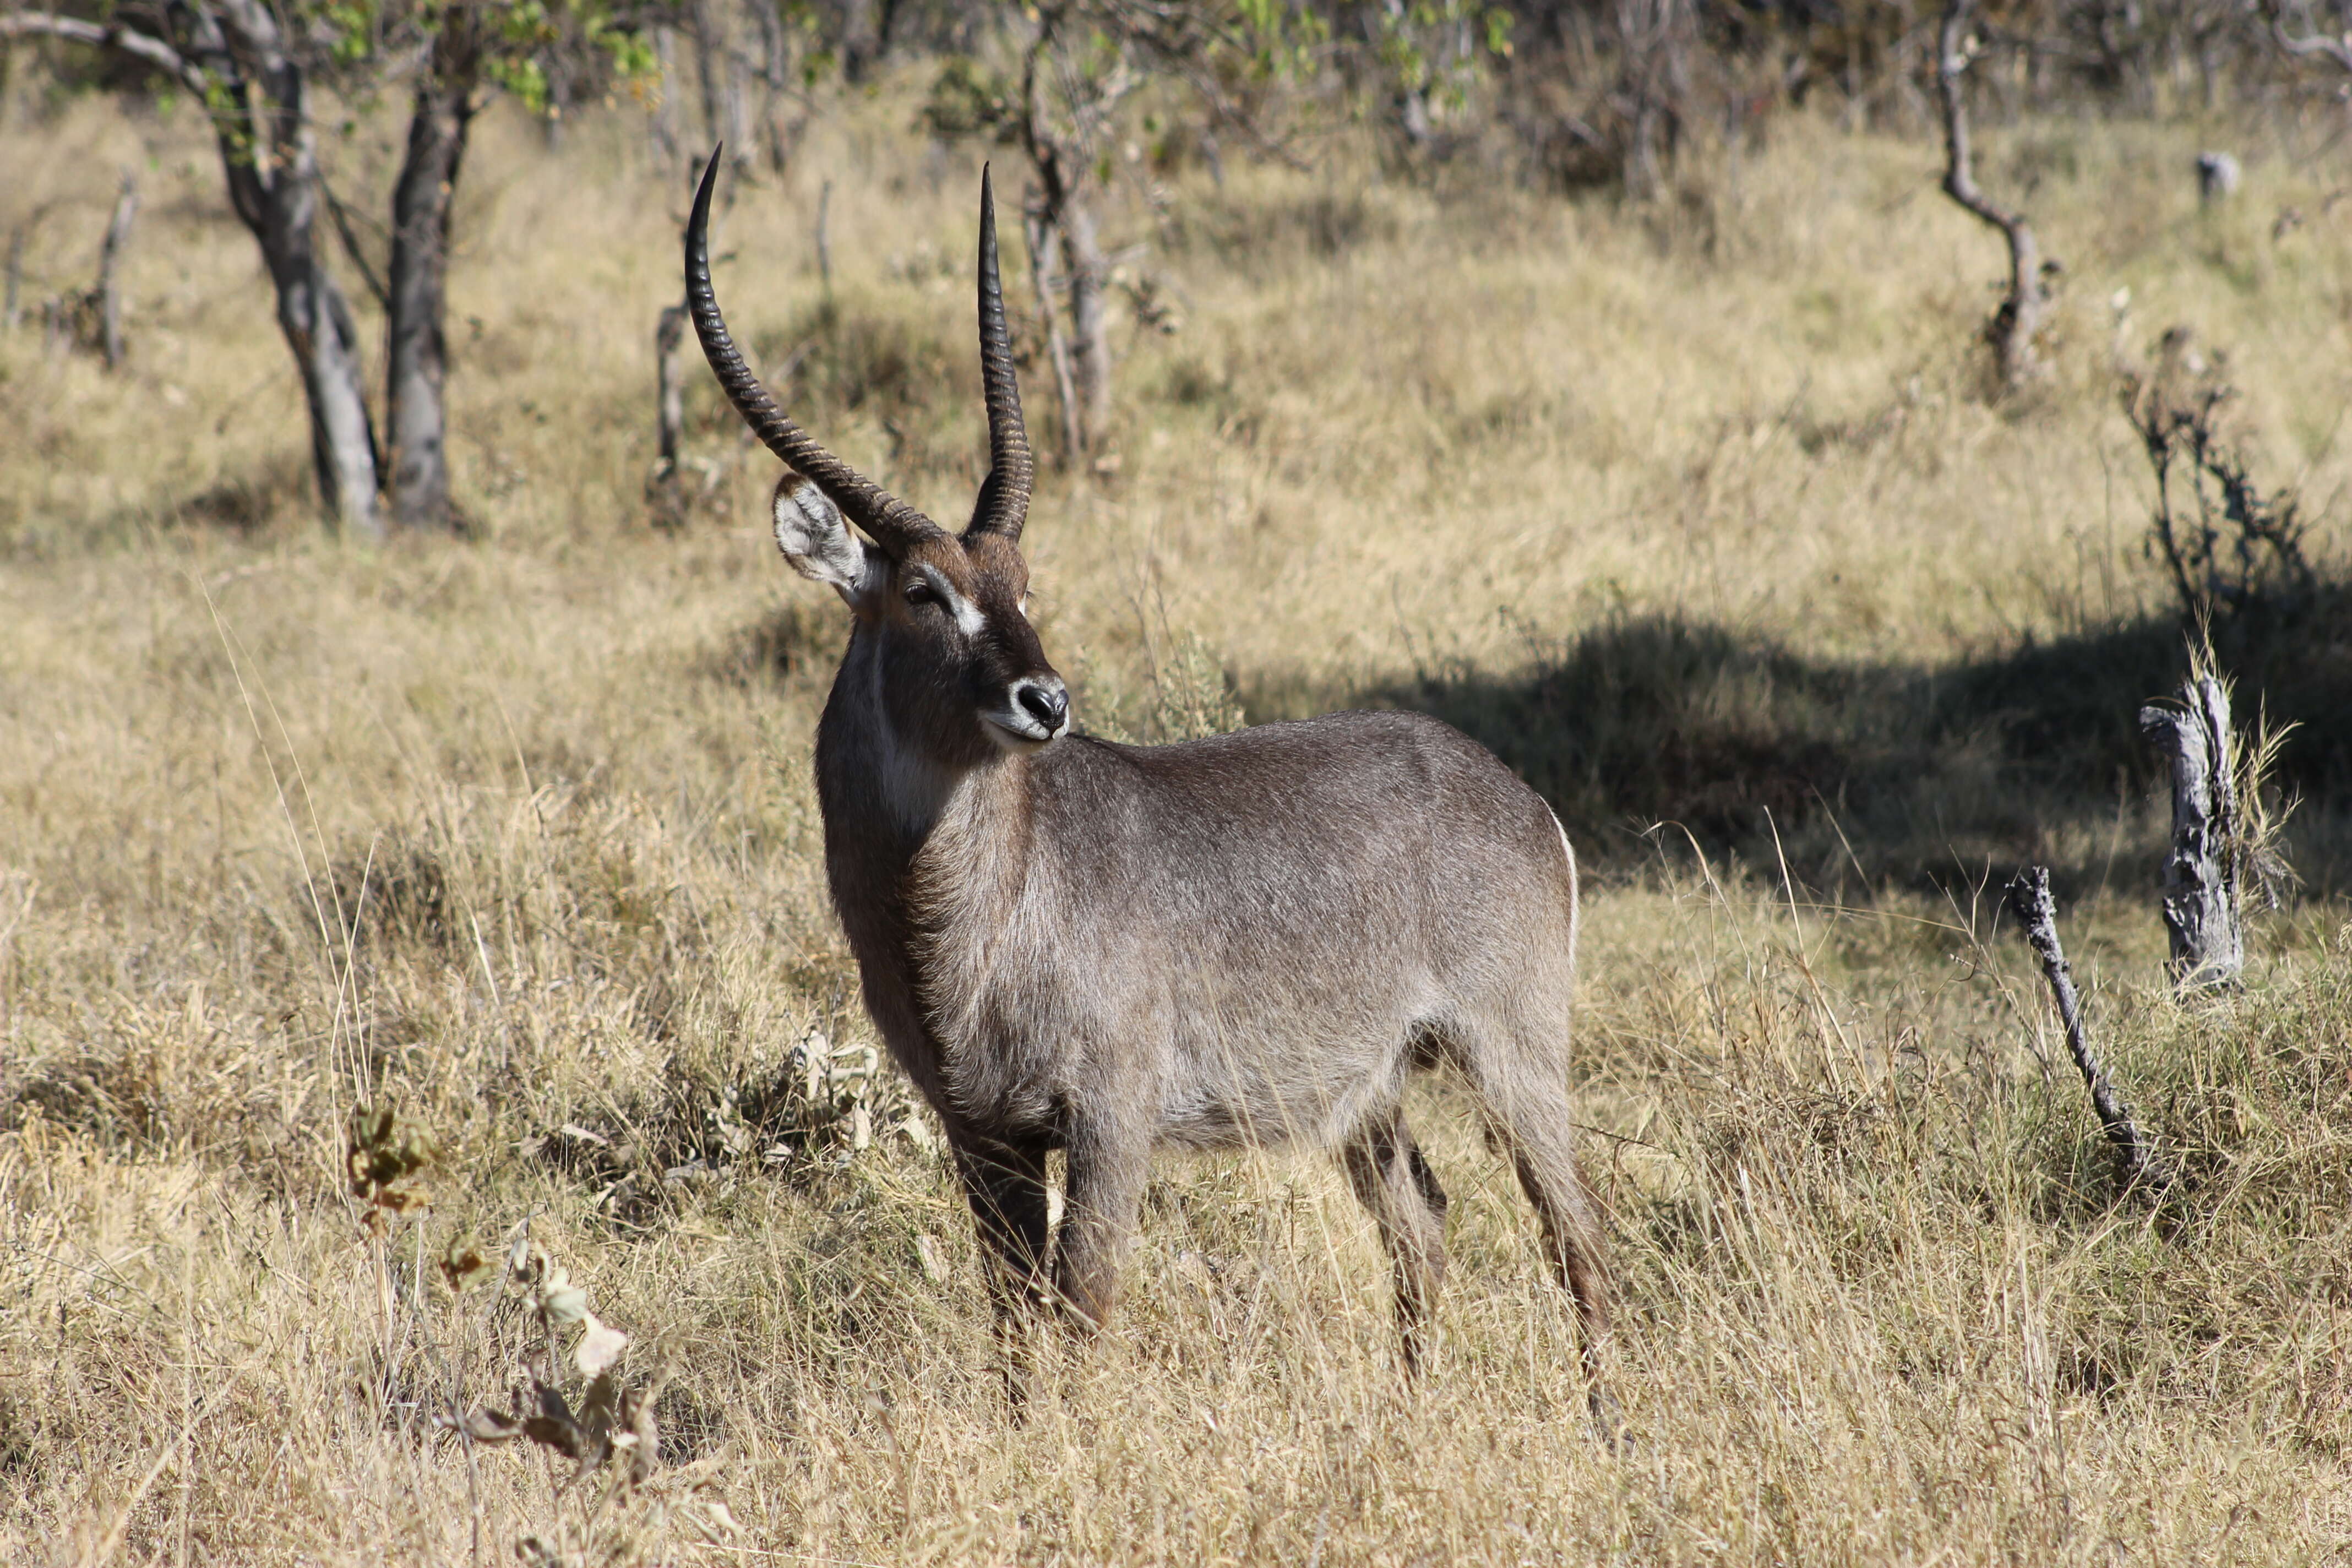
column 778, row 137
column 721, row 75
column 662, row 493
column 318, row 325
column 861, row 37
column 742, row 141
column 417, row 287
column 2201, row 914
column 1653, row 44
column 1064, row 206
column 1412, row 99
column 663, row 123
column 12, row 291
column 110, row 256
column 824, row 241
column 710, row 72
column 670, row 376
column 271, row 161
column 559, row 77
column 2019, row 321
column 1090, row 318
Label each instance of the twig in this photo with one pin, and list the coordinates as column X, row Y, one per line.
column 144, row 47
column 351, row 239
column 110, row 256
column 2029, row 900
column 824, row 239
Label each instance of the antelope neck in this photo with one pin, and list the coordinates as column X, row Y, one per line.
column 888, row 800
column 911, row 841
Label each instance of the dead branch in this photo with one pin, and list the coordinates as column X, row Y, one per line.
column 2325, row 46
column 2029, row 900
column 347, row 229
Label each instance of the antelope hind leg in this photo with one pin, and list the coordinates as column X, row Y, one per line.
column 1531, row 1114
column 1571, row 1232
column 1393, row 1180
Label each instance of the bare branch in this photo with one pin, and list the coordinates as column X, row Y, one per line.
column 2337, row 50
column 139, row 46
column 1033, row 228
column 2333, row 47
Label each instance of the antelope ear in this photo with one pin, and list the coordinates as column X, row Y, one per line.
column 815, row 538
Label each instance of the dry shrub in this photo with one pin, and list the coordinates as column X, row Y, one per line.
column 1316, row 224
column 787, row 642
column 856, row 363
column 1185, row 694
column 188, row 1082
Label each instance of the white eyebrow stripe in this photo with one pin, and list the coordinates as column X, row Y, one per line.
column 968, row 619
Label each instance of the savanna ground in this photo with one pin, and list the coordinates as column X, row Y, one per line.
column 1693, row 512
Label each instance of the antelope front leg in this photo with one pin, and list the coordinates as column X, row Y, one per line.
column 1005, row 1186
column 1107, row 1170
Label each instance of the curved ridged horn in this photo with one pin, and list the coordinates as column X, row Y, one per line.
column 1003, row 503
column 891, row 522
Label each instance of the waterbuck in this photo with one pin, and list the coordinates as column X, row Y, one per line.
column 1110, row 950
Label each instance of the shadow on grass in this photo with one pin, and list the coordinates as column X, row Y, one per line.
column 1891, row 772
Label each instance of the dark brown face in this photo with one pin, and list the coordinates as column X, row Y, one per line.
column 953, row 616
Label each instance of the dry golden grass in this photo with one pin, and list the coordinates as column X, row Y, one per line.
column 518, row 833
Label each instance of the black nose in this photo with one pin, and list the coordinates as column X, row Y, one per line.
column 1049, row 705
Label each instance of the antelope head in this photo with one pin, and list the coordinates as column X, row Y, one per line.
column 960, row 667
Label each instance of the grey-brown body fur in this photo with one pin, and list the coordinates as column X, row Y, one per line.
column 1239, row 940
column 1249, row 940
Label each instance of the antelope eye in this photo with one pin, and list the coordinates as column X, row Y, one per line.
column 919, row 592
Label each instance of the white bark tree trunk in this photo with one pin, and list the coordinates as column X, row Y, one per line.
column 272, row 159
